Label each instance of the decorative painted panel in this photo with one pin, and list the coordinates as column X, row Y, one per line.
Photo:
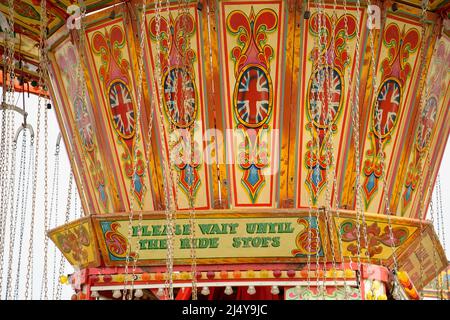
column 77, row 242
column 184, row 111
column 379, row 245
column 109, row 46
column 397, row 66
column 230, row 238
column 252, row 39
column 69, row 88
column 424, row 259
column 433, row 116
column 324, row 104
column 331, row 293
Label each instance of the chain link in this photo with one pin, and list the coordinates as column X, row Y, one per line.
column 441, row 217
column 42, row 75
column 54, row 201
column 12, row 217
column 23, row 212
column 168, row 292
column 137, row 140
column 6, row 134
column 44, row 287
column 356, row 137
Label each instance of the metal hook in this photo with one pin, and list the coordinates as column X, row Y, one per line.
column 22, row 127
column 17, row 109
column 58, row 143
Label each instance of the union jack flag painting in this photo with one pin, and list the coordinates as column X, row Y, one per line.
column 426, row 124
column 179, row 97
column 253, row 97
column 389, row 98
column 84, row 124
column 325, row 96
column 122, row 109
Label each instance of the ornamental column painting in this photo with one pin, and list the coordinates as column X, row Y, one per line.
column 182, row 98
column 434, row 109
column 400, row 45
column 325, row 95
column 82, row 125
column 327, row 70
column 109, row 50
column 252, row 40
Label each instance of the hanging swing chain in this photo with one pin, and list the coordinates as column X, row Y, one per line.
column 54, row 201
column 436, row 278
column 42, row 75
column 423, row 98
column 140, row 95
column 310, row 158
column 441, row 217
column 12, row 215
column 168, row 292
column 66, row 220
column 6, row 134
column 329, row 147
column 380, row 146
column 356, row 137
column 335, row 186
column 15, row 211
column 22, row 218
column 135, row 166
column 44, row 287
column 192, row 223
column 318, row 44
column 324, row 101
column 81, row 85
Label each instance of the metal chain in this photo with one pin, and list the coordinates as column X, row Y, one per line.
column 7, row 127
column 168, row 292
column 23, row 212
column 436, row 278
column 317, row 46
column 15, row 212
column 44, row 287
column 422, row 101
column 356, row 137
column 54, row 214
column 81, row 85
column 192, row 224
column 66, row 220
column 42, row 75
column 441, row 217
column 135, row 164
column 329, row 146
column 12, row 216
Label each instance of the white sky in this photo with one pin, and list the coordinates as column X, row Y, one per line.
column 53, row 129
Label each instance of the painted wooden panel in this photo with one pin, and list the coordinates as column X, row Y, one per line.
column 180, row 110
column 252, row 40
column 322, row 101
column 397, row 65
column 68, row 87
column 431, row 133
column 110, row 52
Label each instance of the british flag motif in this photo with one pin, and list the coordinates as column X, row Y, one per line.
column 426, row 124
column 84, row 124
column 122, row 108
column 253, row 97
column 388, row 106
column 325, row 95
column 179, row 99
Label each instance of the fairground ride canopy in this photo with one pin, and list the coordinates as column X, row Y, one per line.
column 245, row 79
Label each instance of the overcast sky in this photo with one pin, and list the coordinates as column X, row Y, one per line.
column 53, row 130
